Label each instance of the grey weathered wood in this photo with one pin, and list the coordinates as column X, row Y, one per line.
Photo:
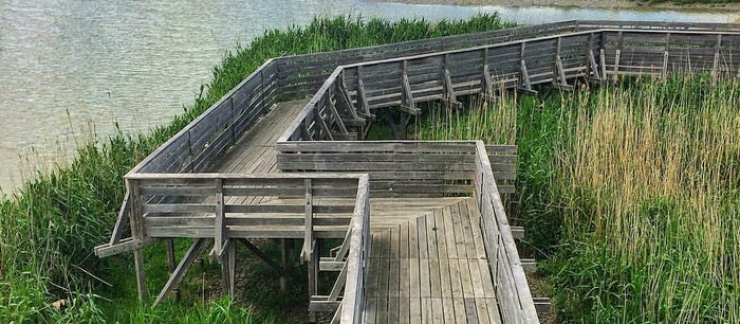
column 121, row 220
column 354, row 290
column 264, row 257
column 137, row 232
column 220, row 224
column 170, row 247
column 308, row 241
column 196, row 248
column 517, row 296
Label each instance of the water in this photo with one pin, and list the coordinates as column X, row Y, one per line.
column 73, row 68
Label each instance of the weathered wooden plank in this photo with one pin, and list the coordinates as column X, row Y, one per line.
column 467, row 230
column 460, row 311
column 383, row 289
column 178, row 275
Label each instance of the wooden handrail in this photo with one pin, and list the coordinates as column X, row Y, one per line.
column 358, row 256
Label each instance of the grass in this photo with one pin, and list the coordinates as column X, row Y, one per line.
column 49, row 226
column 630, row 194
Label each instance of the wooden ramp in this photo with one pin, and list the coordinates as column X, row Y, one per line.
column 428, row 263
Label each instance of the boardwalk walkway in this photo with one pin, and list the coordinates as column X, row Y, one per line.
column 426, row 237
column 428, row 263
column 255, row 151
column 426, row 253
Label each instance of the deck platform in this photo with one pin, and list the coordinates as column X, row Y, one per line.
column 428, row 263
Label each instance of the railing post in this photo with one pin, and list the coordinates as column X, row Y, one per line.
column 664, row 70
column 220, row 222
column 715, row 65
column 524, row 74
column 308, row 237
column 137, row 232
column 618, row 55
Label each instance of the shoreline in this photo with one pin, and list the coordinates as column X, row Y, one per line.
column 584, row 4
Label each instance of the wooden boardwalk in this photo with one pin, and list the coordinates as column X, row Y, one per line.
column 426, row 237
column 428, row 263
column 255, row 151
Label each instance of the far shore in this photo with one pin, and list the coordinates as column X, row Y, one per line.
column 602, row 4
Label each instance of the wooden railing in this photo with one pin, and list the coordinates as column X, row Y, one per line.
column 226, row 208
column 642, row 52
column 204, row 140
column 358, row 259
column 400, row 168
column 197, row 146
column 302, row 74
column 512, row 291
column 351, row 93
column 435, row 169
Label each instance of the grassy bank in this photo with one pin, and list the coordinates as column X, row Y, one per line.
column 49, row 227
column 631, row 193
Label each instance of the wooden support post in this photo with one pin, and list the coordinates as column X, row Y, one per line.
column 344, row 248
column 307, row 250
column 284, row 260
column 524, row 74
column 715, row 65
column 486, row 82
column 137, row 232
column 488, row 85
column 220, row 222
column 602, row 63
column 122, row 220
column 228, row 267
column 170, row 246
column 407, row 100
column 338, row 284
column 450, row 100
column 593, row 70
column 336, row 318
column 337, row 118
column 664, row 69
column 345, row 96
column 254, row 249
column 617, row 56
column 361, row 95
column 593, row 67
column 195, row 250
column 224, row 261
column 171, row 262
column 313, row 269
column 324, row 128
column 563, row 84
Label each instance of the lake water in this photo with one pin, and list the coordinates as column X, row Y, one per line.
column 73, row 68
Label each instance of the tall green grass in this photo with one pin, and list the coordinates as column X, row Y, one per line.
column 49, row 226
column 632, row 192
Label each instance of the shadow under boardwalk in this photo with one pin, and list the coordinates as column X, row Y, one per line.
column 428, row 263
column 255, row 151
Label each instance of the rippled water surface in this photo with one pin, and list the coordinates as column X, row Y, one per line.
column 73, row 68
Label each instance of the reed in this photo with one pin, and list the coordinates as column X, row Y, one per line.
column 631, row 194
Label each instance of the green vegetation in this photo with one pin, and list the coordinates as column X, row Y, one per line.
column 683, row 2
column 49, row 227
column 630, row 192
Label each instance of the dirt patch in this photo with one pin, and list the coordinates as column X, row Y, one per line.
column 605, row 4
